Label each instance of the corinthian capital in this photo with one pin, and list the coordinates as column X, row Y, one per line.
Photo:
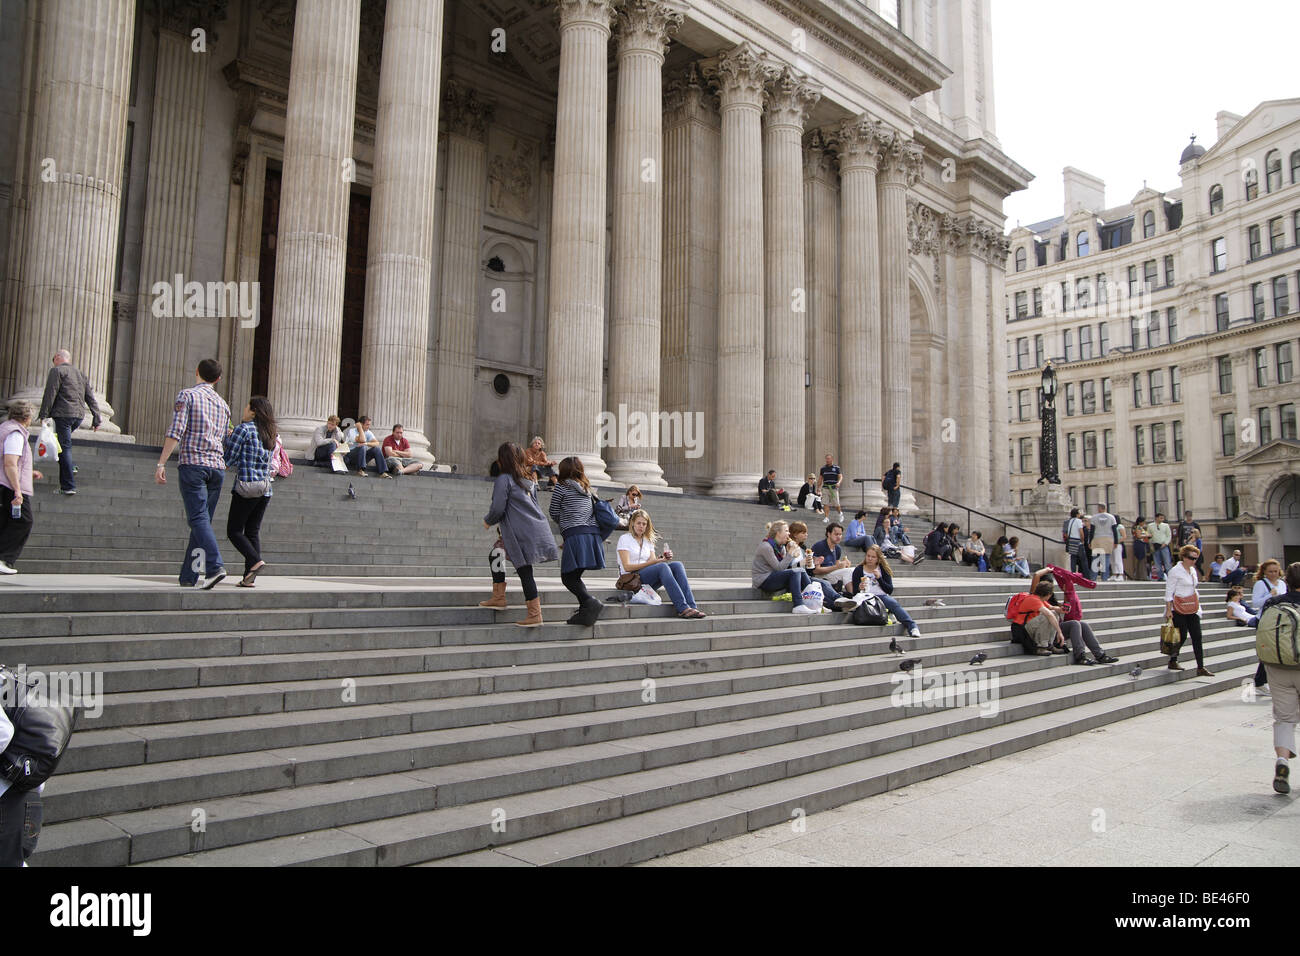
column 740, row 75
column 857, row 142
column 901, row 159
column 595, row 12
column 463, row 112
column 646, row 25
column 684, row 96
column 791, row 97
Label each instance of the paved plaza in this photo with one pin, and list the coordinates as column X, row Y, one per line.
column 1188, row 785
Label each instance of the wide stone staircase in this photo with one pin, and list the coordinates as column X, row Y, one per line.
column 388, row 720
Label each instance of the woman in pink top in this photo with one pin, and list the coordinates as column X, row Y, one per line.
column 1076, row 631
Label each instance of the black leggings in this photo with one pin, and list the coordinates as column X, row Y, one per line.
column 1192, row 623
column 244, row 527
column 573, row 581
column 497, row 565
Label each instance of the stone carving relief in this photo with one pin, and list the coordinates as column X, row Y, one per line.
column 922, row 229
column 512, row 176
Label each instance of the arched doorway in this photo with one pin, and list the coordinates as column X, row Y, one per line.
column 928, row 393
column 1279, row 533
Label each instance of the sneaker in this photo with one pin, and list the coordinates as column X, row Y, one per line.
column 213, row 581
column 914, row 632
column 1081, row 659
column 841, row 517
column 6, row 569
column 1263, row 691
column 67, row 491
column 826, row 520
column 802, row 609
column 787, row 596
column 1281, row 775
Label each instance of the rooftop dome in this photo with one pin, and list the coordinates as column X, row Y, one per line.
column 1191, row 152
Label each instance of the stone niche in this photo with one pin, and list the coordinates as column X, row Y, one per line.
column 512, row 175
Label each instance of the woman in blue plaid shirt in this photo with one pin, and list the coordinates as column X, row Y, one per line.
column 248, row 448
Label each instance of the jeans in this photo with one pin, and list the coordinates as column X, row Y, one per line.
column 1079, row 558
column 200, row 492
column 244, row 526
column 64, row 427
column 13, row 533
column 1164, row 561
column 793, row 580
column 896, row 609
column 901, row 539
column 356, row 459
column 20, row 826
column 1101, row 564
column 1018, row 566
column 324, row 452
column 1235, row 578
column 672, row 578
column 895, row 497
column 862, row 541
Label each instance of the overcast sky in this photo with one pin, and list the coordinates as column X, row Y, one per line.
column 1116, row 87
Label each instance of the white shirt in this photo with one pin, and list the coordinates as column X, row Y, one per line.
column 1180, row 582
column 14, row 444
column 871, row 582
column 1263, row 591
column 1229, row 566
column 637, row 553
column 1239, row 612
column 1075, row 528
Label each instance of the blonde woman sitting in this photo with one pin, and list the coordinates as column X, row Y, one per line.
column 636, row 552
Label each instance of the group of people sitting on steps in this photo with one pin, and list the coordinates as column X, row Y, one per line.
column 357, row 447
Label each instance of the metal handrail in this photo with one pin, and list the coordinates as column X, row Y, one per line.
column 934, row 519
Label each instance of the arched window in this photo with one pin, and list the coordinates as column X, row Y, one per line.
column 1081, row 244
column 1148, row 224
column 1251, row 177
column 1295, row 167
column 1273, row 171
column 1020, row 259
column 1216, row 199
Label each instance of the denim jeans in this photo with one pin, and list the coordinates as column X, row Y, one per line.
column 1235, row 578
column 356, row 459
column 896, row 609
column 200, row 491
column 672, row 578
column 1102, row 565
column 859, row 541
column 20, row 825
column 1164, row 560
column 793, row 580
column 901, row 539
column 64, row 427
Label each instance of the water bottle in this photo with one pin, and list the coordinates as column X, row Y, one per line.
column 16, row 512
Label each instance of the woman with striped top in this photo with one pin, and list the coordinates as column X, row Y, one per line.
column 248, row 448
column 571, row 509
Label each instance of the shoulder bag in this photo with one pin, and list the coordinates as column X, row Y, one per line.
column 252, row 489
column 1187, row 605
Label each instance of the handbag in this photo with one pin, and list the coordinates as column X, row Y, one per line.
column 252, row 489
column 606, row 519
column 870, row 612
column 1170, row 639
column 629, row 581
column 1186, row 605
column 41, row 729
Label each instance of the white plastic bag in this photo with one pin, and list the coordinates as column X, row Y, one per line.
column 647, row 595
column 47, row 443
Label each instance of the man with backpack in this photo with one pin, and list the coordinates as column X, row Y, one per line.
column 892, row 485
column 1277, row 642
column 1033, row 623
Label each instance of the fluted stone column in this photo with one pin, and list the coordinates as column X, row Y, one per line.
column 311, row 243
column 575, row 325
column 398, row 262
column 741, row 75
column 465, row 120
column 75, row 193
column 992, row 317
column 821, row 278
column 858, row 143
column 175, row 140
column 634, row 329
column 900, row 163
column 790, row 99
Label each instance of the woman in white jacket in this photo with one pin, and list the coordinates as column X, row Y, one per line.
column 1180, row 589
column 1268, row 583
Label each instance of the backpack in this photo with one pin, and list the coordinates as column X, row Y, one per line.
column 870, row 611
column 281, row 466
column 41, row 733
column 1277, row 639
column 1017, row 610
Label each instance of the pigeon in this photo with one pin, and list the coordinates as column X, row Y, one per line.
column 895, row 647
column 352, row 492
column 1136, row 672
column 934, row 602
column 908, row 664
column 978, row 659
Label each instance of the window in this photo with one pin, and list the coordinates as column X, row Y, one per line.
column 1038, row 301
column 1251, row 178
column 1253, row 243
column 1022, row 352
column 1273, row 170
column 1088, row 396
column 1257, row 300
column 1160, row 492
column 1216, row 207
column 1065, row 297
column 1219, row 254
column 1110, row 497
column 1023, row 396
column 1178, row 440
column 1022, row 305
column 1171, row 317
column 1135, row 332
column 1038, row 351
column 1221, row 311
column 1085, row 341
column 1103, row 296
column 1081, row 296
column 1024, row 496
column 1231, row 506
column 1153, row 330
column 1141, row 497
column 1175, row 384
column 1081, row 244
column 1225, row 375
column 1286, row 421
column 1140, row 444
column 1156, row 380
column 1089, row 449
column 1281, row 305
column 1132, row 282
column 1228, row 433
column 1069, row 345
column 1261, row 367
column 1069, row 399
column 1108, row 447
column 1295, row 167
column 1105, row 395
column 1180, row 498
column 1265, row 425
column 1020, row 259
column 1149, row 274
column 1090, row 499
column 1026, row 455
column 1137, row 389
column 1103, row 338
column 1295, row 227
column 1276, row 235
column 1071, row 453
column 1283, row 363
column 1169, row 270
column 1158, row 450
column 1148, row 224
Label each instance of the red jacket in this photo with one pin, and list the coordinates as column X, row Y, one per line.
column 1068, row 580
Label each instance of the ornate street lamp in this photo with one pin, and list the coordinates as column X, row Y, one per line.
column 1048, row 461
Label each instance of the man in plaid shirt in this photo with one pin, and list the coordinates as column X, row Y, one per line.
column 199, row 428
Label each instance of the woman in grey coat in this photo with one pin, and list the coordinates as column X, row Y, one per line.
column 525, row 533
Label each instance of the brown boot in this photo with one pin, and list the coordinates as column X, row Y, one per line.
column 1174, row 665
column 534, row 617
column 498, row 598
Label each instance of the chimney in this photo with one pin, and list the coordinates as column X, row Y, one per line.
column 1083, row 191
column 1225, row 122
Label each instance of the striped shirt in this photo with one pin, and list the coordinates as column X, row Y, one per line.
column 571, row 506
column 199, row 426
column 244, row 450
